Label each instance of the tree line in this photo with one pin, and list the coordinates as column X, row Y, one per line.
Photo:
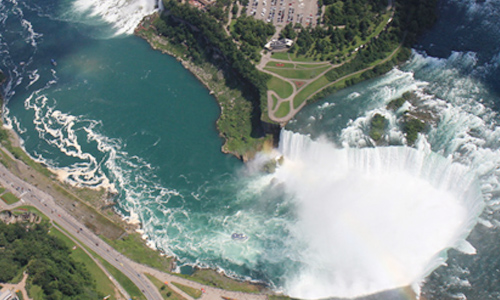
column 348, row 22
column 27, row 246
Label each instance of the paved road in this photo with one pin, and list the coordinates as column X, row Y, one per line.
column 31, row 195
column 45, row 203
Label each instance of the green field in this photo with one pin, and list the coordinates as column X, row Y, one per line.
column 195, row 293
column 309, row 90
column 212, row 278
column 275, row 101
column 133, row 247
column 9, row 198
column 312, row 66
column 282, row 88
column 273, row 64
column 165, row 291
column 292, row 57
column 283, row 110
column 280, row 55
column 304, row 74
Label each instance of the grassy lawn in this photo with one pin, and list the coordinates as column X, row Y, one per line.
column 283, row 110
column 103, row 283
column 311, row 66
column 275, row 101
column 2, row 189
column 280, row 55
column 27, row 208
column 21, row 155
column 195, row 293
column 134, row 248
column 276, row 297
column 9, row 198
column 309, row 90
column 165, row 291
column 212, row 278
column 124, row 281
column 298, row 73
column 282, row 88
column 273, row 64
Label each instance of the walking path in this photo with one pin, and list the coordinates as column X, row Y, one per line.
column 274, row 107
column 20, row 286
column 293, row 111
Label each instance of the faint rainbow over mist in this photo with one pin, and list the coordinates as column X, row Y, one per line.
column 373, row 219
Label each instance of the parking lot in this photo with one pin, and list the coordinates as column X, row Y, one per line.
column 282, row 12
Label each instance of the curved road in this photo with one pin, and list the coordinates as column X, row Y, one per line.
column 44, row 202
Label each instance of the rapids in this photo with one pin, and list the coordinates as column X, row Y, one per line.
column 116, row 114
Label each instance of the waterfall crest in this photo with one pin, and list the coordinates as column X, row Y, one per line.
column 373, row 219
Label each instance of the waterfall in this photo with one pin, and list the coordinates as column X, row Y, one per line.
column 373, row 219
column 123, row 15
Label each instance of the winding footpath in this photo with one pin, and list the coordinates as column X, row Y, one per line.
column 30, row 195
column 273, row 107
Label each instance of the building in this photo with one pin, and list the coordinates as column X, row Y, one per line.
column 278, row 44
column 8, row 295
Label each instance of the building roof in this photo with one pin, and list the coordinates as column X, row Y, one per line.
column 278, row 44
column 7, row 295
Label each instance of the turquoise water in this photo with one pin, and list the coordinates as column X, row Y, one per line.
column 114, row 113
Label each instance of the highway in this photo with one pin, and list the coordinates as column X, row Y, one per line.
column 30, row 195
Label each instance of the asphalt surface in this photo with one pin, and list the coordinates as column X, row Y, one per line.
column 30, row 195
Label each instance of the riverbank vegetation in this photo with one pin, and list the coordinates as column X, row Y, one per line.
column 202, row 43
column 356, row 40
column 378, row 123
column 412, row 127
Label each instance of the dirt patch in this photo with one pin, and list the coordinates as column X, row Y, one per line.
column 299, row 84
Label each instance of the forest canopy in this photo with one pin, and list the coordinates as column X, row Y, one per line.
column 47, row 261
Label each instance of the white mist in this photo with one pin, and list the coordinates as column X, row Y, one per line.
column 123, row 15
column 372, row 219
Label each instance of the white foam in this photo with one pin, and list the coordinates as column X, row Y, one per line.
column 373, row 219
column 124, row 15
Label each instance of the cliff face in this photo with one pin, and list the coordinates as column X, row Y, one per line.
column 3, row 78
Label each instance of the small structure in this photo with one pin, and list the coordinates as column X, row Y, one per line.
column 8, row 295
column 278, row 44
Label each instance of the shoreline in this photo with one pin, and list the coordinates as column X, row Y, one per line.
column 154, row 41
column 101, row 209
column 211, row 77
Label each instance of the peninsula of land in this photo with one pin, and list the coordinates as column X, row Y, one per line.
column 265, row 61
column 333, row 45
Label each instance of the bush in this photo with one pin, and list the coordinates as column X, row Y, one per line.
column 411, row 129
column 378, row 123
